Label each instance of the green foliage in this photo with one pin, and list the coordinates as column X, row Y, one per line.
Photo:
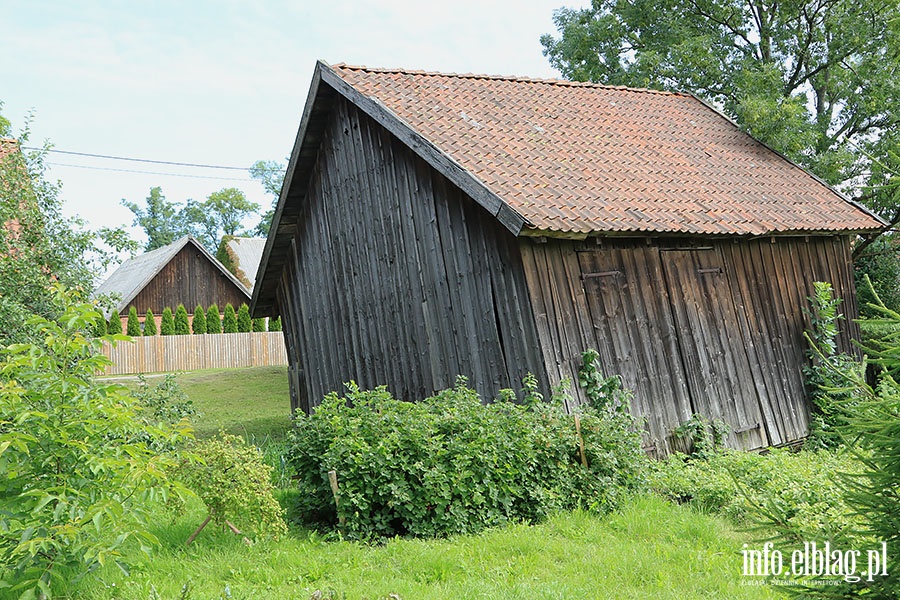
column 165, row 402
column 275, row 324
column 213, row 320
column 79, row 465
column 270, row 174
column 133, row 326
column 115, row 323
column 198, row 324
column 259, row 324
column 235, row 485
column 182, row 323
column 706, row 436
column 160, row 219
column 603, row 393
column 229, row 320
column 150, row 323
column 880, row 263
column 167, row 323
column 244, row 323
column 788, row 73
column 99, row 327
column 450, row 464
column 800, row 490
column 827, row 371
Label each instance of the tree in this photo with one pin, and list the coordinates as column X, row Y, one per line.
column 244, row 323
column 270, row 174
column 814, row 79
column 38, row 244
column 213, row 320
column 149, row 323
column 275, row 324
column 259, row 324
column 182, row 323
column 161, row 220
column 133, row 326
column 198, row 324
column 167, row 323
column 229, row 207
column 229, row 320
column 115, row 323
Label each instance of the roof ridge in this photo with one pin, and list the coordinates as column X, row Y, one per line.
column 516, row 78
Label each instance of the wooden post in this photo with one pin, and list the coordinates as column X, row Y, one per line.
column 336, row 492
column 584, row 460
column 198, row 530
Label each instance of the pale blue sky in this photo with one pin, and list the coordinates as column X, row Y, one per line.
column 221, row 82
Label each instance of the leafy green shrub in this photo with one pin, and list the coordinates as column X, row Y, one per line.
column 77, row 474
column 198, row 325
column 603, row 393
column 182, row 323
column 275, row 324
column 150, row 323
column 259, row 324
column 450, row 464
column 115, row 323
column 99, row 327
column 167, row 323
column 165, row 402
column 235, row 485
column 229, row 320
column 133, row 325
column 213, row 320
column 244, row 323
column 798, row 489
column 706, row 436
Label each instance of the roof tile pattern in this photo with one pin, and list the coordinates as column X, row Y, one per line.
column 581, row 158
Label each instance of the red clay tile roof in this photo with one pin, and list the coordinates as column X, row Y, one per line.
column 581, row 158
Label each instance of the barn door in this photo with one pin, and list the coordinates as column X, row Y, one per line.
column 715, row 357
column 637, row 337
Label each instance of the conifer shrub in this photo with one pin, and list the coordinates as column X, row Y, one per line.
column 150, row 323
column 213, row 320
column 275, row 324
column 115, row 323
column 229, row 320
column 259, row 324
column 133, row 325
column 99, row 327
column 244, row 323
column 198, row 325
column 182, row 323
column 451, row 465
column 167, row 323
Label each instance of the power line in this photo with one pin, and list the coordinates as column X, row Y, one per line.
column 149, row 172
column 142, row 160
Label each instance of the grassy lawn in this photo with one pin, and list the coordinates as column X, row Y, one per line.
column 650, row 549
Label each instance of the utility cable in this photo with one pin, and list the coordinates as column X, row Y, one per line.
column 142, row 160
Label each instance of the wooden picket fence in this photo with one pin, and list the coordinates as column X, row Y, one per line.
column 167, row 353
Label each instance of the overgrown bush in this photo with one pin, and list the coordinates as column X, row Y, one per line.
column 229, row 320
column 244, row 323
column 450, row 464
column 182, row 323
column 78, row 469
column 798, row 489
column 165, row 402
column 133, row 325
column 235, row 485
column 198, row 324
column 150, row 323
column 167, row 323
column 213, row 320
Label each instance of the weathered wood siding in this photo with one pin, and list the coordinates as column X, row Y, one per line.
column 170, row 353
column 396, row 277
column 189, row 279
column 710, row 327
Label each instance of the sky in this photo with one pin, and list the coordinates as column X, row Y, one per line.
column 220, row 82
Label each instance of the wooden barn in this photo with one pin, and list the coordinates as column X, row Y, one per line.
column 183, row 272
column 434, row 224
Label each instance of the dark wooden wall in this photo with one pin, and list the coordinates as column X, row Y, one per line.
column 710, row 327
column 396, row 277
column 189, row 279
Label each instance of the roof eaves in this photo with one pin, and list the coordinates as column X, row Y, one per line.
column 428, row 151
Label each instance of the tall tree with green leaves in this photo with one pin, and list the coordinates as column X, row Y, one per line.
column 269, row 173
column 161, row 220
column 818, row 80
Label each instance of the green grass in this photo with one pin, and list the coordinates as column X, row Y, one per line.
column 649, row 549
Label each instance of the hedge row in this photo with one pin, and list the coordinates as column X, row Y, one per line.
column 178, row 322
